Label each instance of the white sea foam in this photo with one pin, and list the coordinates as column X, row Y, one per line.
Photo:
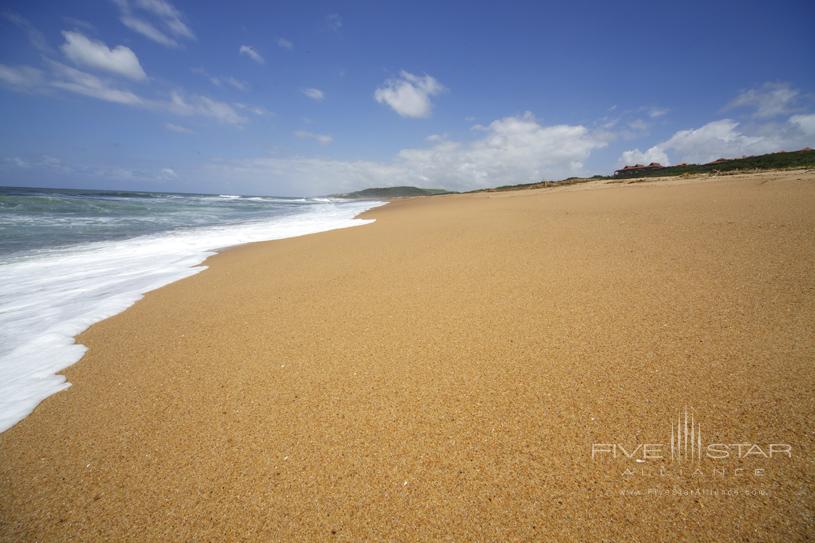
column 48, row 298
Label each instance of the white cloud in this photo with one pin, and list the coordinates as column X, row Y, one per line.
column 315, row 94
column 94, row 54
column 654, row 154
column 167, row 24
column 236, row 83
column 205, row 107
column 509, row 150
column 178, row 128
column 715, row 140
column 61, row 77
column 283, row 43
column 726, row 139
column 769, row 100
column 322, row 139
column 169, row 15
column 409, row 95
column 805, row 123
column 251, row 53
column 148, row 30
column 21, row 77
column 79, row 82
column 655, row 112
column 167, row 174
column 66, row 78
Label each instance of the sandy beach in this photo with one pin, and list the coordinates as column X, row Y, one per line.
column 464, row 369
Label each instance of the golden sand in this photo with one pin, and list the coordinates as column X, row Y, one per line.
column 442, row 374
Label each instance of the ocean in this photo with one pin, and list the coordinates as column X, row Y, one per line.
column 71, row 258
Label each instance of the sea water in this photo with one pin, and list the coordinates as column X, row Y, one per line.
column 70, row 258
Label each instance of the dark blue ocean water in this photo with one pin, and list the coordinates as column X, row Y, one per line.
column 42, row 218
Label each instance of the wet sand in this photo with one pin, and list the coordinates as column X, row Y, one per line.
column 443, row 374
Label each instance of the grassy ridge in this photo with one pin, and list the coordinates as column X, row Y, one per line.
column 772, row 161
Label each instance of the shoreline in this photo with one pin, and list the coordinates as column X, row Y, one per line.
column 46, row 306
column 444, row 372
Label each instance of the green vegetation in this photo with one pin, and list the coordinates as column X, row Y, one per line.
column 392, row 192
column 772, row 161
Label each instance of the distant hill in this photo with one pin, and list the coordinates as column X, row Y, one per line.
column 392, row 192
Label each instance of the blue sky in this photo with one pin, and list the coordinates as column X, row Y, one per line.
column 312, row 98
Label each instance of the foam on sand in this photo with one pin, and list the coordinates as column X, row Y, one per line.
column 51, row 296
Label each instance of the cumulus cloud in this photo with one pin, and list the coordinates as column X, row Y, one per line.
column 726, row 139
column 805, row 123
column 409, row 94
column 157, row 20
column 654, row 154
column 315, row 94
column 769, row 100
column 21, row 77
column 322, row 139
column 715, row 140
column 94, row 54
column 283, row 43
column 510, row 150
column 250, row 52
